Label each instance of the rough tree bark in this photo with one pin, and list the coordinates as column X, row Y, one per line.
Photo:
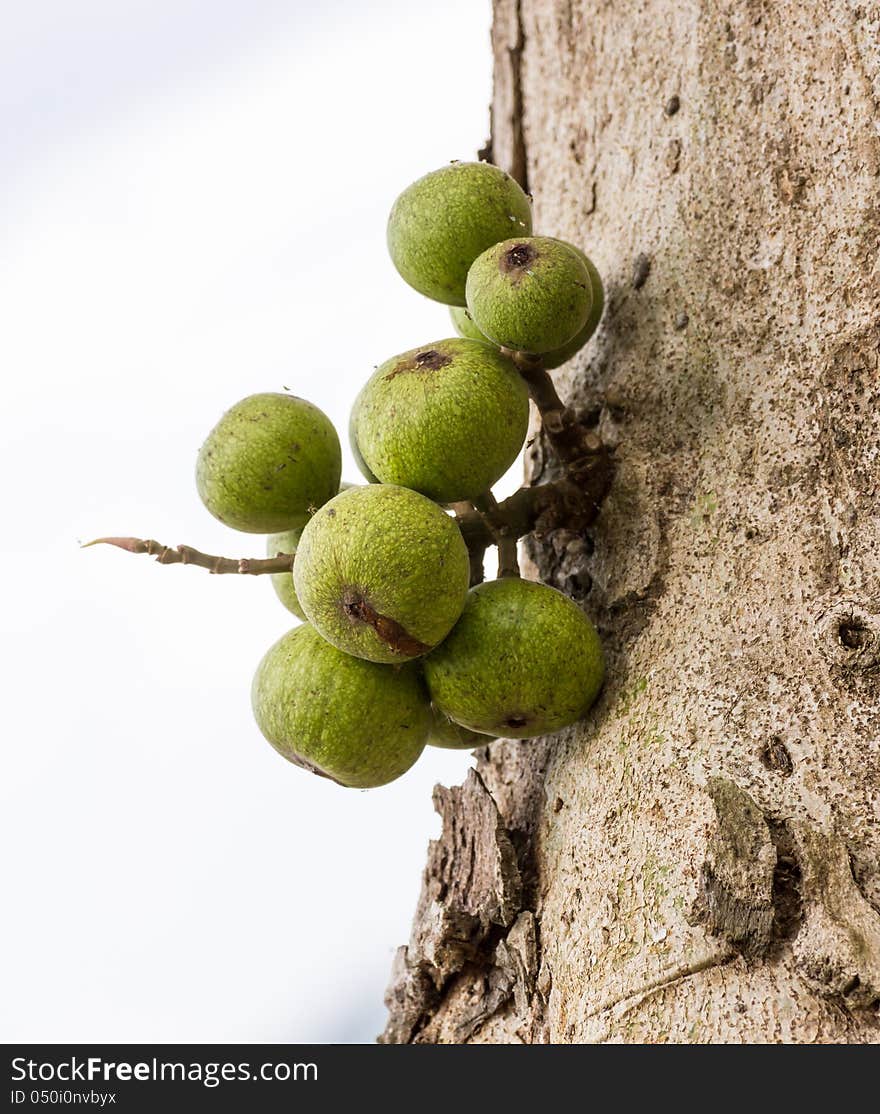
column 700, row 859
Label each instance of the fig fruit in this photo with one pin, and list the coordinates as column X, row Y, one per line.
column 449, row 735
column 441, row 223
column 382, row 573
column 268, row 463
column 447, row 419
column 562, row 355
column 523, row 660
column 532, row 294
column 356, row 722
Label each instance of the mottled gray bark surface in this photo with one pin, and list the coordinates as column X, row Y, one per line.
column 700, row 859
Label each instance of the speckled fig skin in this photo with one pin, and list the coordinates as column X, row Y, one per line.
column 532, row 294
column 382, row 573
column 268, row 463
column 358, row 723
column 356, row 453
column 523, row 660
column 282, row 582
column 464, row 325
column 441, row 223
column 449, row 735
column 562, row 355
column 447, row 419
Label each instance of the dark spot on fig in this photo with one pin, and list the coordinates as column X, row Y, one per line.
column 517, row 258
column 429, row 359
column 516, row 721
column 432, row 360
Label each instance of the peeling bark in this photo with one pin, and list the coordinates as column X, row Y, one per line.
column 471, row 893
column 838, row 949
column 735, row 900
column 699, row 859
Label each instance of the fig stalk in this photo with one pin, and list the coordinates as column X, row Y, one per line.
column 503, row 534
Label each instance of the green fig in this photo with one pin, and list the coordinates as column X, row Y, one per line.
column 464, row 325
column 356, row 722
column 268, row 463
column 523, row 660
column 282, row 582
column 532, row 294
column 449, row 735
column 382, row 573
column 562, row 355
column 356, row 453
column 447, row 419
column 441, row 223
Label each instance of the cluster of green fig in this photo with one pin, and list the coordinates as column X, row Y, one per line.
column 397, row 650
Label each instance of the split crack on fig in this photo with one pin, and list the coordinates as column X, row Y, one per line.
column 428, row 359
column 358, row 610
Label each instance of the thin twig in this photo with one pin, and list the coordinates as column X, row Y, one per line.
column 186, row 555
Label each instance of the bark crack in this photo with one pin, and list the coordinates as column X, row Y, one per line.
column 520, row 168
column 667, row 978
column 788, row 910
column 507, row 143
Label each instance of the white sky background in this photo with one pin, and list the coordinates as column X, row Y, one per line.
column 193, row 196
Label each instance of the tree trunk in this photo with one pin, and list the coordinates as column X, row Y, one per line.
column 699, row 860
